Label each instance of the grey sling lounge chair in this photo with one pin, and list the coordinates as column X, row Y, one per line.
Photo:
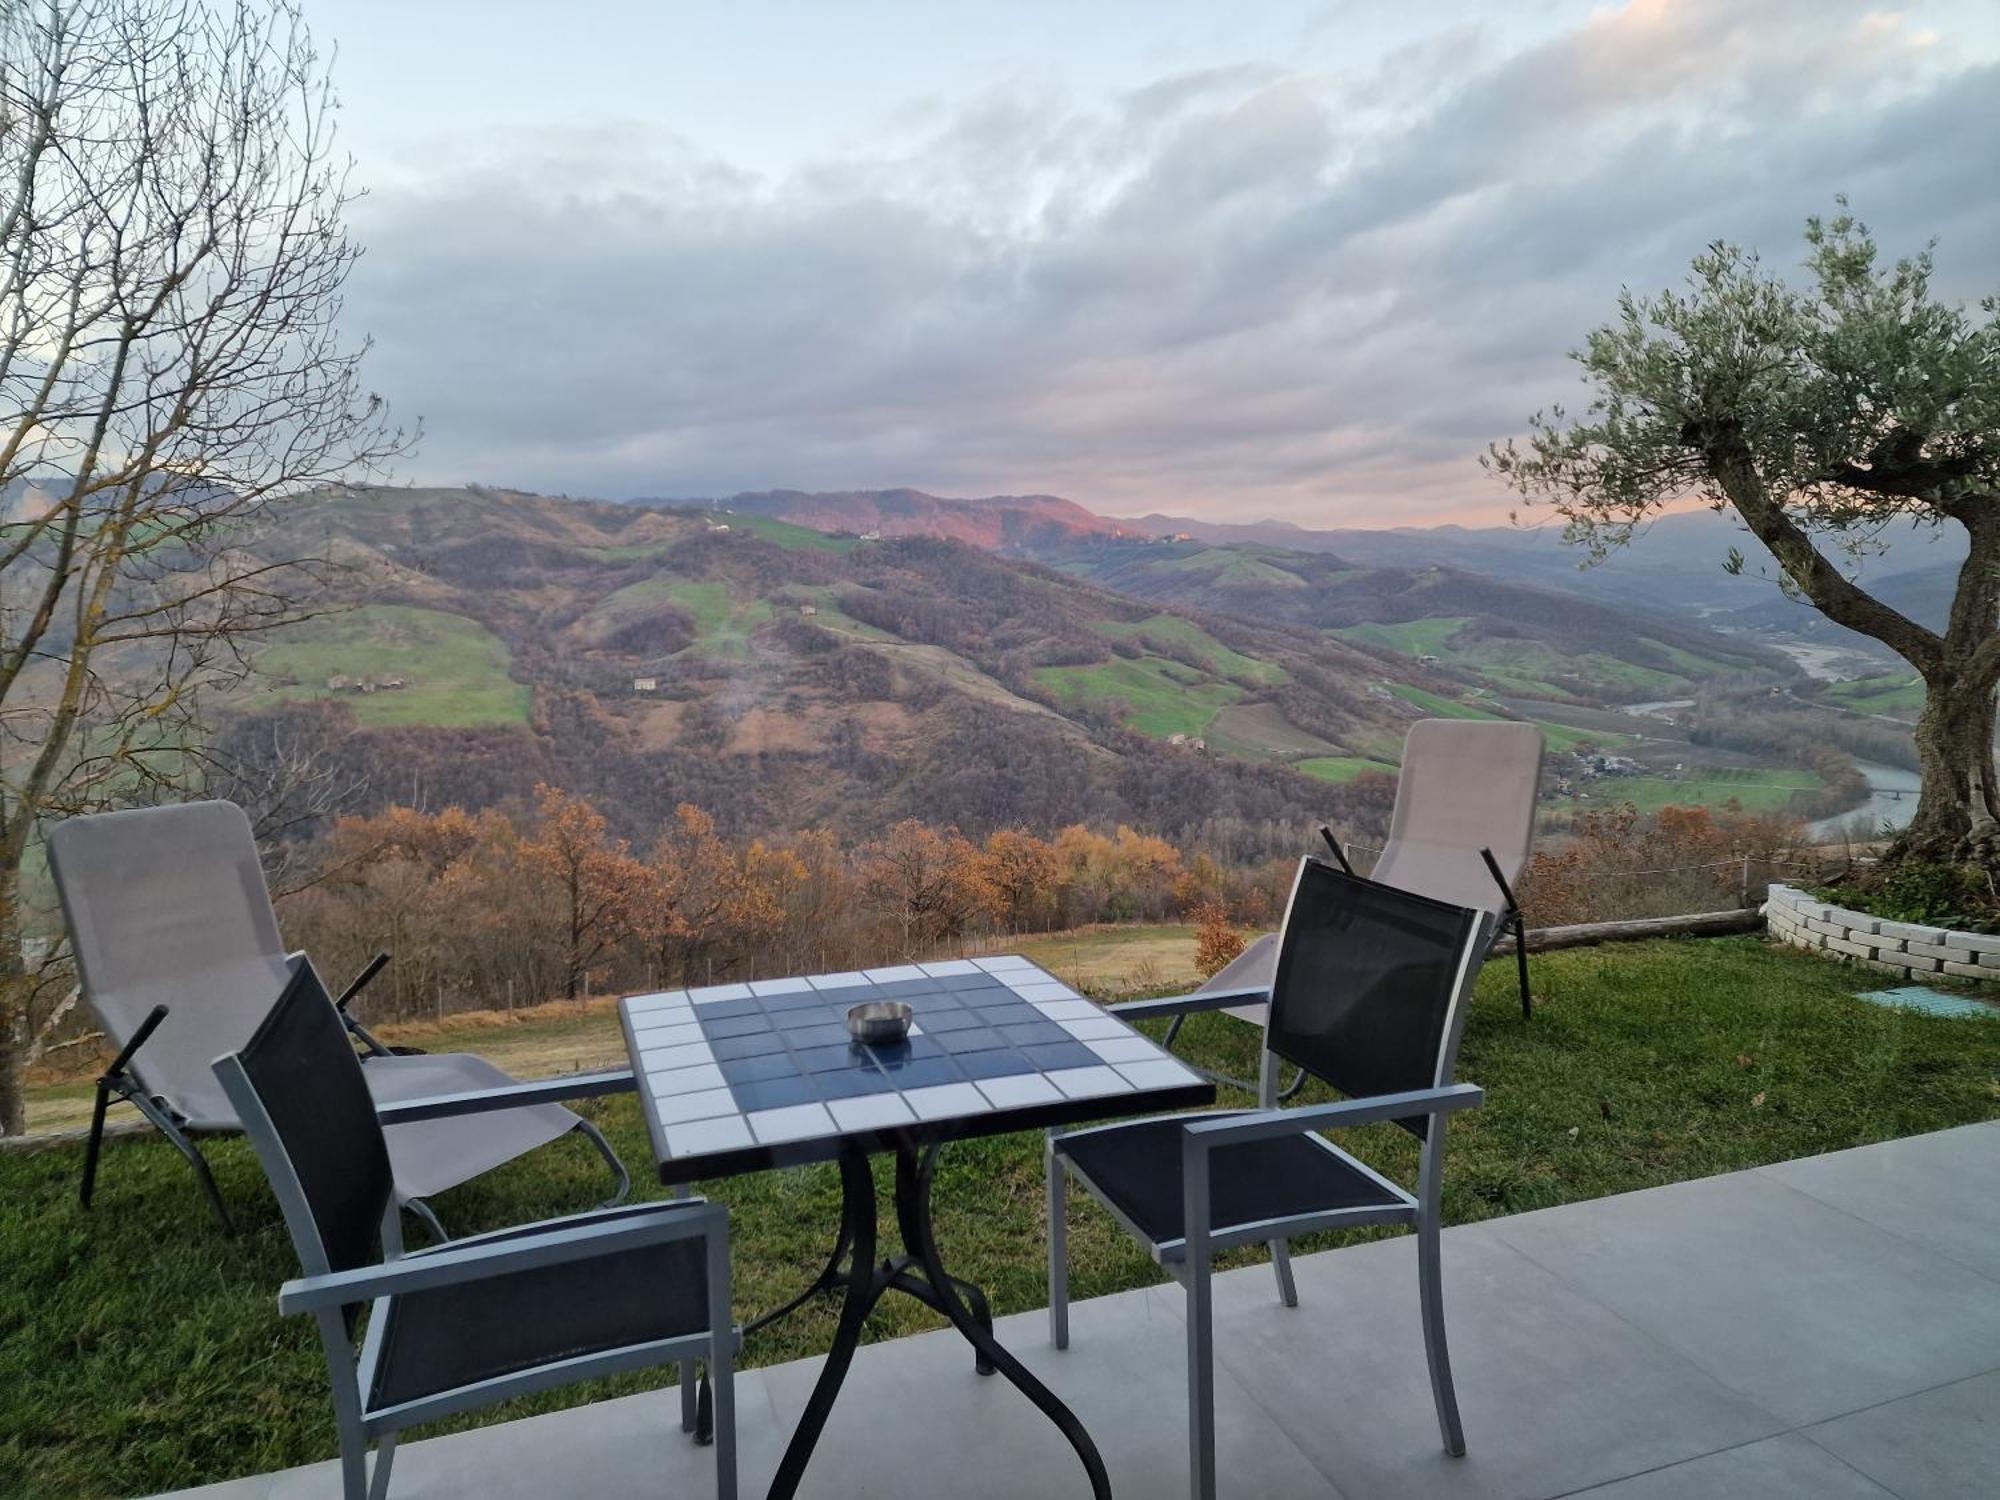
column 178, row 952
column 1462, row 831
column 1369, row 996
column 476, row 1321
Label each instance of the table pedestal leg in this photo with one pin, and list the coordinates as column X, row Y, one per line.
column 867, row 1283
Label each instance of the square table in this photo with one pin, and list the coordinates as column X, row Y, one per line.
column 737, row 1078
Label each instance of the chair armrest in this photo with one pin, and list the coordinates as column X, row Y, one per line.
column 514, row 1096
column 1269, row 1124
column 452, row 1263
column 1187, row 1005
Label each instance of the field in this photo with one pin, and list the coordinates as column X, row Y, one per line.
column 1764, row 789
column 1173, row 631
column 1165, row 698
column 1411, row 637
column 1338, row 768
column 142, row 1350
column 454, row 669
column 1897, row 694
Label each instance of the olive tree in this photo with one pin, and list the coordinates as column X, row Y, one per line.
column 172, row 258
column 1822, row 414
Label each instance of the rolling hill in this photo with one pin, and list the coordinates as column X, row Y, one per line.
column 784, row 677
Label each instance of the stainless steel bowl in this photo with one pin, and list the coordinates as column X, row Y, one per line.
column 878, row 1021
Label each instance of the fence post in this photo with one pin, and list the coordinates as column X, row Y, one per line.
column 1744, row 900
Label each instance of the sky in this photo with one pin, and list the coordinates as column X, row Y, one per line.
column 1300, row 261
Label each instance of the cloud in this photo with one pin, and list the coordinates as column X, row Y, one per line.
column 1247, row 291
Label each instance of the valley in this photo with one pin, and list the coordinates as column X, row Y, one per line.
column 847, row 660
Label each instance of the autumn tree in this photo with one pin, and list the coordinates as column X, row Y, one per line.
column 1022, row 871
column 599, row 886
column 1217, row 943
column 172, row 256
column 1820, row 417
column 932, row 883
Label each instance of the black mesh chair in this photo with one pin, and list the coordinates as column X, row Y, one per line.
column 478, row 1320
column 1369, row 996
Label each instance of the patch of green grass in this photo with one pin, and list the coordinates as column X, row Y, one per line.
column 793, row 538
column 723, row 621
column 1339, row 768
column 1165, row 697
column 1172, row 630
column 141, row 1350
column 1897, row 694
column 1437, row 705
column 1755, row 790
column 454, row 669
column 1411, row 637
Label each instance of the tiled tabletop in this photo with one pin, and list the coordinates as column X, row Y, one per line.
column 736, row 1077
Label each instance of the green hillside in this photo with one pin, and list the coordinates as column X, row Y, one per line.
column 453, row 671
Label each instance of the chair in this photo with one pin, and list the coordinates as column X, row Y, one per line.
column 1462, row 831
column 476, row 1321
column 1369, row 996
column 178, row 952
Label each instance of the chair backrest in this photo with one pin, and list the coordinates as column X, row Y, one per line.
column 297, row 1087
column 167, row 905
column 1372, row 983
column 1466, row 785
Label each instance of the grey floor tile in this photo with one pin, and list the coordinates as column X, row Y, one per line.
column 630, row 1446
column 1779, row 1468
column 1941, row 1191
column 1941, row 1445
column 1557, row 1393
column 915, row 1423
column 1805, row 1308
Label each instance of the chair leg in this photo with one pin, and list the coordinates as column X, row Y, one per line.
column 1281, row 1262
column 623, row 1178
column 385, row 1458
column 1432, row 1293
column 1521, row 965
column 1058, row 1248
column 164, row 1123
column 95, row 1143
column 353, row 1465
column 1201, row 1381
column 690, row 1397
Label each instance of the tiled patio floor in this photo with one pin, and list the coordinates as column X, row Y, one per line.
column 1824, row 1328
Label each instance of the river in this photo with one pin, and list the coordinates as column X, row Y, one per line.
column 1883, row 808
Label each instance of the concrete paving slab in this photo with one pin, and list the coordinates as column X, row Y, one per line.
column 1940, row 1445
column 1780, row 1468
column 916, row 1421
column 1941, row 1191
column 1557, row 1393
column 1802, row 1307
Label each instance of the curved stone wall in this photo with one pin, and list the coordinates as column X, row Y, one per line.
column 1902, row 948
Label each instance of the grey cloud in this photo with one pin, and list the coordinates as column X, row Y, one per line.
column 1220, row 292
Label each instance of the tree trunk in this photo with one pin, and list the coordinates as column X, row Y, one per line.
column 14, row 990
column 1956, row 806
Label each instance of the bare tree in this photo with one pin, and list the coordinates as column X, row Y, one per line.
column 172, row 257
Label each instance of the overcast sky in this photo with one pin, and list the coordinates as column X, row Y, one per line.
column 1297, row 260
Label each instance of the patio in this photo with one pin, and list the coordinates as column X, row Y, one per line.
column 1828, row 1327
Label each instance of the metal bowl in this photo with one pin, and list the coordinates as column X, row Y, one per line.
column 878, row 1021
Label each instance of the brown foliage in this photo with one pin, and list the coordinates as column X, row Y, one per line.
column 1216, row 942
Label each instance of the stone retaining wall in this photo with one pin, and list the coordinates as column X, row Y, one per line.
column 1901, row 948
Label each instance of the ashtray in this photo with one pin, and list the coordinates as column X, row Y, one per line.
column 878, row 1021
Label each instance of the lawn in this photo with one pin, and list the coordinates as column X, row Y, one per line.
column 454, row 668
column 1165, row 697
column 140, row 1350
